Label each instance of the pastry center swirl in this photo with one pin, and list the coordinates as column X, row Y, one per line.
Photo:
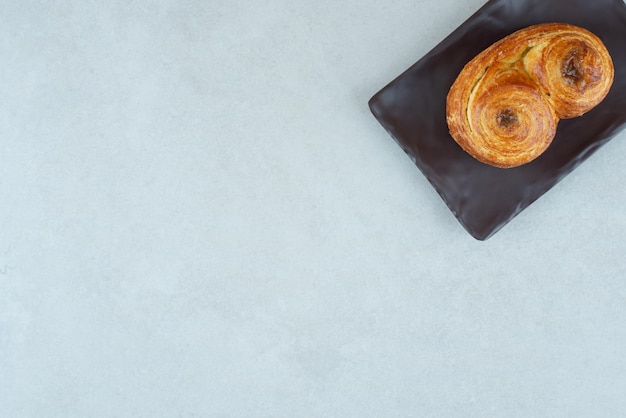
column 572, row 70
column 506, row 118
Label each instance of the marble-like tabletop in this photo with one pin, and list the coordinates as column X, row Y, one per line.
column 201, row 218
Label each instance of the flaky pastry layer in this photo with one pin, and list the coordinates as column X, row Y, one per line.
column 505, row 105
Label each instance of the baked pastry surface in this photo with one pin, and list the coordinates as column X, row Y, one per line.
column 504, row 107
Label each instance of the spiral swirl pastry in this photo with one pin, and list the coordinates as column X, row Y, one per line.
column 505, row 105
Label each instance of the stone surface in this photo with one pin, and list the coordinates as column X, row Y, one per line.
column 201, row 218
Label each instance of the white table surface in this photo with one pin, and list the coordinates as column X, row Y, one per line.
column 201, row 218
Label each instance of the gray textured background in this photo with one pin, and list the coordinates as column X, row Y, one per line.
column 200, row 218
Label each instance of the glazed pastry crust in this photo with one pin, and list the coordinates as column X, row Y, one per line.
column 504, row 107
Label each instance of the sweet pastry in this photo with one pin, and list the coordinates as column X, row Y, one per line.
column 504, row 107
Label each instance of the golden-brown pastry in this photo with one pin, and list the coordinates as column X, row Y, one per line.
column 504, row 107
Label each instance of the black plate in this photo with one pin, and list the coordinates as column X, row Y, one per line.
column 412, row 109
